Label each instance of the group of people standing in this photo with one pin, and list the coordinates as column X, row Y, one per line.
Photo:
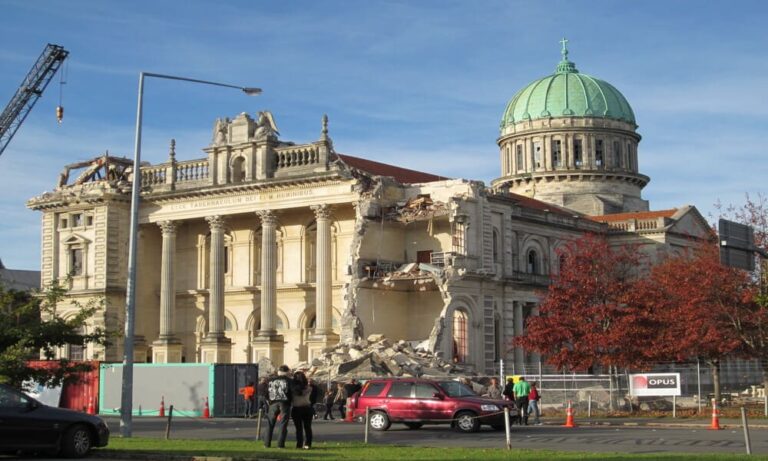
column 526, row 397
column 287, row 396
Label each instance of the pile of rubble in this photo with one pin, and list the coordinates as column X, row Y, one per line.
column 377, row 356
column 416, row 209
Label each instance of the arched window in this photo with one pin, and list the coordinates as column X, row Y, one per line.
column 238, row 170
column 533, row 262
column 460, row 336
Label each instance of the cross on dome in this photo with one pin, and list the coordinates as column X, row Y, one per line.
column 564, row 51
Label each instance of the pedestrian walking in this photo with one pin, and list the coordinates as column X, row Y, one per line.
column 248, row 395
column 494, row 390
column 340, row 400
column 261, row 397
column 533, row 403
column 328, row 399
column 279, row 396
column 301, row 410
column 521, row 390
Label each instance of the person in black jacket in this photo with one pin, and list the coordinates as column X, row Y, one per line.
column 279, row 395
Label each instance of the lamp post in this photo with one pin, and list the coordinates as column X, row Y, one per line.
column 126, row 403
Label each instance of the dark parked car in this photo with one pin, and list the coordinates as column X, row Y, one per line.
column 30, row 426
column 414, row 402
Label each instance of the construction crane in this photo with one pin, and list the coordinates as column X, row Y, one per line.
column 30, row 91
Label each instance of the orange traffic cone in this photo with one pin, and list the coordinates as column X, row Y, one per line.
column 91, row 410
column 715, row 426
column 206, row 410
column 162, row 407
column 569, row 416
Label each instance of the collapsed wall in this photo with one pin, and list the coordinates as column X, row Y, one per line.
column 378, row 356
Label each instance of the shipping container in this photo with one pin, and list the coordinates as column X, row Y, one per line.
column 186, row 386
column 80, row 390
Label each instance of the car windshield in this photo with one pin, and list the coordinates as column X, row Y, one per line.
column 456, row 389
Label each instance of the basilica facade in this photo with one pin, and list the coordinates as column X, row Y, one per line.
column 265, row 248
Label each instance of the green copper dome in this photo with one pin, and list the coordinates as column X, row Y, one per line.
column 567, row 93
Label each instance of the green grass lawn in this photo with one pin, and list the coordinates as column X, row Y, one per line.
column 357, row 451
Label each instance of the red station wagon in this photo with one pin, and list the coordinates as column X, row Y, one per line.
column 415, row 402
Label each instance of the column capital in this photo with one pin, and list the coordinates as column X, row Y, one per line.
column 321, row 211
column 168, row 227
column 267, row 217
column 217, row 222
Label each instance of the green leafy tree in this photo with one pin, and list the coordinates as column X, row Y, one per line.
column 32, row 327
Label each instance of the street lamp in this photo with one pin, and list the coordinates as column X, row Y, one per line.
column 126, row 403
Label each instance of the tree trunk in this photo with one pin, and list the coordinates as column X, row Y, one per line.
column 715, row 367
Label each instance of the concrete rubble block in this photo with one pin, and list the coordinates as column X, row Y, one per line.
column 375, row 338
column 355, row 353
column 317, row 363
column 266, row 367
column 402, row 359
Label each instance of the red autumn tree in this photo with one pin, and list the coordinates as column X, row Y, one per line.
column 695, row 299
column 751, row 322
column 591, row 314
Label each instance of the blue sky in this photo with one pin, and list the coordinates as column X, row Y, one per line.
column 421, row 84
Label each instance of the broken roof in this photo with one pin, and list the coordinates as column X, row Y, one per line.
column 635, row 215
column 401, row 175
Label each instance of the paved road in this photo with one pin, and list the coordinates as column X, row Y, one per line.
column 588, row 438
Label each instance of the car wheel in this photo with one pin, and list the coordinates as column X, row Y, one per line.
column 466, row 421
column 77, row 442
column 413, row 425
column 379, row 421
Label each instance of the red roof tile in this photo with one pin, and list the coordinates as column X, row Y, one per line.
column 402, row 175
column 528, row 202
column 634, row 215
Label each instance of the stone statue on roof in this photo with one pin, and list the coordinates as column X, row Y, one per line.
column 220, row 131
column 265, row 127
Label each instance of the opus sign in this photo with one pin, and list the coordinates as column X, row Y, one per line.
column 654, row 384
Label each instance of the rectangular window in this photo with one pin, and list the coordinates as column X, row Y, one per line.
column 77, row 220
column 89, row 220
column 374, row 389
column 519, row 157
column 76, row 352
column 537, row 155
column 64, row 223
column 400, row 389
column 459, row 238
column 557, row 156
column 76, row 261
column 577, row 153
column 616, row 154
column 629, row 162
column 599, row 153
column 425, row 391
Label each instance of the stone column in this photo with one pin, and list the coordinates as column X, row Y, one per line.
column 323, row 336
column 216, row 347
column 167, row 279
column 268, row 272
column 267, row 343
column 167, row 348
column 216, row 284
column 323, row 298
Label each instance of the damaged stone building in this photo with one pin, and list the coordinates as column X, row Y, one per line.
column 269, row 248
